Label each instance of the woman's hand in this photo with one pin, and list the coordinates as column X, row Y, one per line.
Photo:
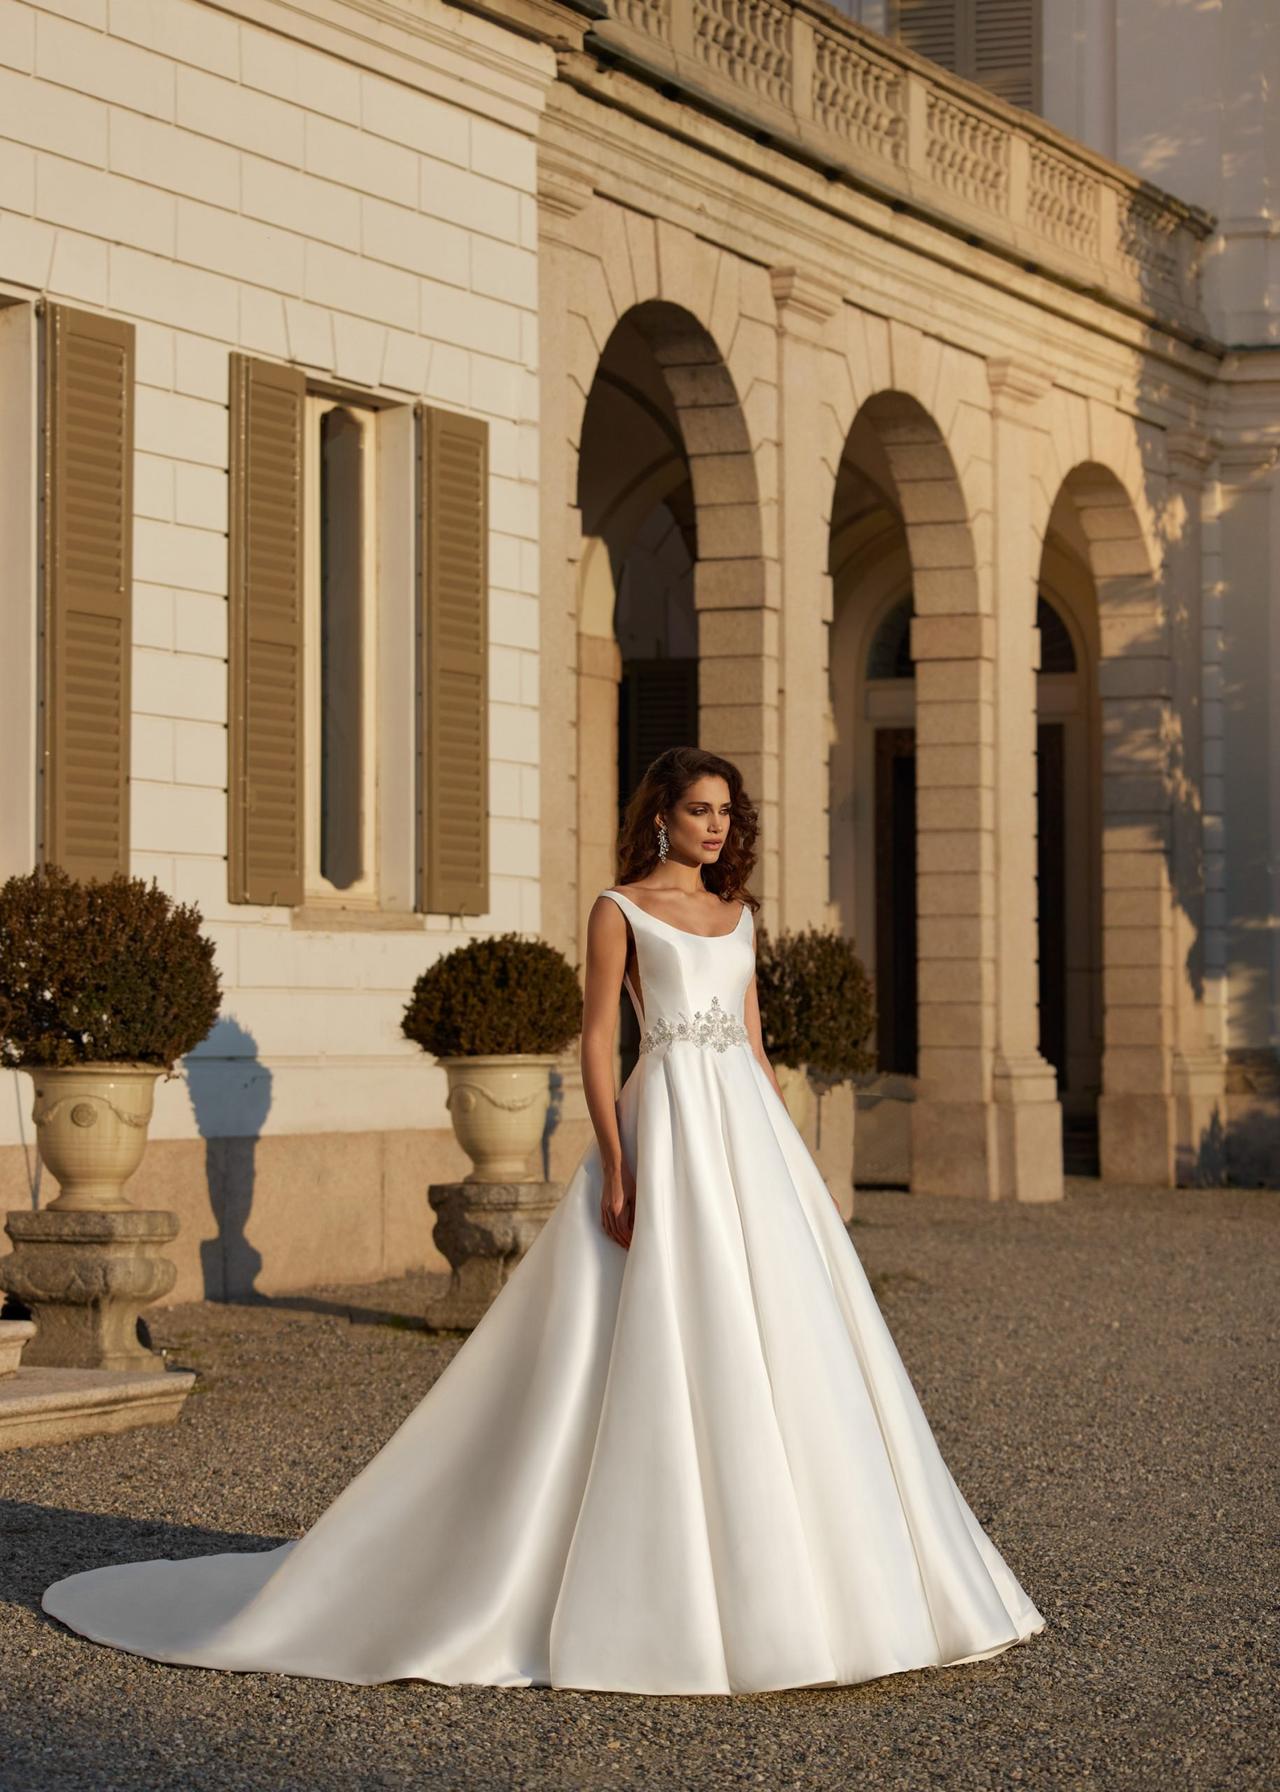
column 618, row 1204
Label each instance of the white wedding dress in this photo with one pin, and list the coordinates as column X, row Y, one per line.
column 696, row 1465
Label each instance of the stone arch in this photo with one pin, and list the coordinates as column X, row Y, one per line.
column 699, row 317
column 952, row 1145
column 1107, row 523
column 1069, row 859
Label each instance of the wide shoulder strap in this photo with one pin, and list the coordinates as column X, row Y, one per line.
column 624, row 902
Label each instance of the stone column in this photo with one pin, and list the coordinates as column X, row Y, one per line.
column 564, row 190
column 1246, row 908
column 953, row 643
column 1136, row 1107
column 806, row 300
column 564, row 356
column 1028, row 1113
column 1199, row 1088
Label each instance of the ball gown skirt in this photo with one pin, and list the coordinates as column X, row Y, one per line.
column 692, row 1466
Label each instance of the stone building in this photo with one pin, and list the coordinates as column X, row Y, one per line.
column 812, row 386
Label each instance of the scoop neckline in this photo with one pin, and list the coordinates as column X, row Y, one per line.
column 687, row 932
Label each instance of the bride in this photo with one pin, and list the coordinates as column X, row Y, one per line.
column 680, row 1452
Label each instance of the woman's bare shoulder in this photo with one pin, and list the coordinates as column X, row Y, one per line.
column 607, row 914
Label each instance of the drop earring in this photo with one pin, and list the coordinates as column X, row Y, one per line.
column 662, row 840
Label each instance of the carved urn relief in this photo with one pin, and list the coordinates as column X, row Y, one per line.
column 498, row 1106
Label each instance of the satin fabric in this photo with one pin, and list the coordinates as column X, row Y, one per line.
column 694, row 1466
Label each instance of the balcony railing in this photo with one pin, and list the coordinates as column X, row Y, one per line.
column 858, row 106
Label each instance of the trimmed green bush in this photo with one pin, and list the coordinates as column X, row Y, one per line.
column 110, row 972
column 816, row 1003
column 504, row 994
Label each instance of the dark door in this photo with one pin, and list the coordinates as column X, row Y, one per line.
column 896, row 1028
column 1051, row 875
column 657, row 709
column 896, row 991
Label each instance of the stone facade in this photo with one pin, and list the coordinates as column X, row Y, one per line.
column 782, row 333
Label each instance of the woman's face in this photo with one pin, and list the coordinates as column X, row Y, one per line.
column 698, row 825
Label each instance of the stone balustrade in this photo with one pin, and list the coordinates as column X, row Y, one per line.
column 861, row 108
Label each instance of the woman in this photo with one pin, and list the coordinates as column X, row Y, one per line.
column 680, row 1452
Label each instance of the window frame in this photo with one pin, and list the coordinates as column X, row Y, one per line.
column 318, row 890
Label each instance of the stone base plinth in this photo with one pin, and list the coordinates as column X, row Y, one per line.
column 993, row 1151
column 52, row 1406
column 483, row 1230
column 1136, row 1139
column 86, row 1276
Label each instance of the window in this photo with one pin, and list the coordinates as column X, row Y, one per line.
column 1056, row 651
column 340, row 615
column 357, row 695
column 993, row 42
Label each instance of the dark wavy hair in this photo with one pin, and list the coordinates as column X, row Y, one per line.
column 659, row 790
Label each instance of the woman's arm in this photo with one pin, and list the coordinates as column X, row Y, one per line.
column 602, row 987
column 751, row 1018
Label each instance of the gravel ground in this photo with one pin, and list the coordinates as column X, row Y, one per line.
column 1101, row 1378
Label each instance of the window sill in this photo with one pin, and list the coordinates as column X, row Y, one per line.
column 319, row 917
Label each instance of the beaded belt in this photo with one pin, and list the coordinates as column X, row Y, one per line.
column 710, row 1026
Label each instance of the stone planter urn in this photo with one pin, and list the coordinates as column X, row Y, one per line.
column 498, row 1105
column 105, row 984
column 91, row 1129
column 89, row 1262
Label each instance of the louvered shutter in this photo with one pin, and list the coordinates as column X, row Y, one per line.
column 659, row 709
column 932, row 28
column 1004, row 49
column 88, row 590
column 993, row 42
column 453, row 847
column 265, row 785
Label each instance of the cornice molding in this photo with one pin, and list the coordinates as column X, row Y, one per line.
column 1189, row 452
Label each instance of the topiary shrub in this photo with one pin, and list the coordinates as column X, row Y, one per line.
column 816, row 1003
column 504, row 994
column 101, row 972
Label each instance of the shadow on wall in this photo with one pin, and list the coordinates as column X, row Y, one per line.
column 555, row 1113
column 1252, row 1142
column 230, row 1091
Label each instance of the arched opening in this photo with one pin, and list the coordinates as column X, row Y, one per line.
column 1104, row 731
column 666, row 491
column 1067, row 914
column 900, row 552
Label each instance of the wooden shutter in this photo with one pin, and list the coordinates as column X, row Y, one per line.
column 453, row 784
column 1004, row 49
column 88, row 590
column 931, row 28
column 993, row 42
column 658, row 708
column 265, row 788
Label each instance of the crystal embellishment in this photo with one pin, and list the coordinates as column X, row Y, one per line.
column 710, row 1026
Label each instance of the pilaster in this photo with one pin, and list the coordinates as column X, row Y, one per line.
column 1199, row 1089
column 806, row 302
column 1024, row 1086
